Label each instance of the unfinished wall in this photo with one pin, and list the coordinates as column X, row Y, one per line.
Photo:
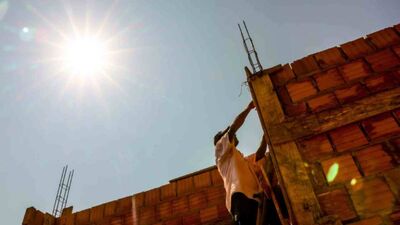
column 198, row 198
column 333, row 120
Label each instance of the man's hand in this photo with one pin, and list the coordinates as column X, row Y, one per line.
column 251, row 105
column 239, row 120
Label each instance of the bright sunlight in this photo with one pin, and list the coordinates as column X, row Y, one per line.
column 86, row 56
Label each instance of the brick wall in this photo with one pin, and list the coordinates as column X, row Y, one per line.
column 194, row 199
column 355, row 167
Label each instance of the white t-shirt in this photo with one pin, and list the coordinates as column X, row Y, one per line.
column 236, row 171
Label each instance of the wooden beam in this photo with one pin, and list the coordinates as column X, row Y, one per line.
column 314, row 124
column 297, row 188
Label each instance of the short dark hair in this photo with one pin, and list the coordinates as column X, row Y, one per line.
column 220, row 134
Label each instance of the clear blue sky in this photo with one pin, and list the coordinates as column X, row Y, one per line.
column 180, row 69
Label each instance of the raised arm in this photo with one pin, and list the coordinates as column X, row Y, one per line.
column 261, row 150
column 239, row 120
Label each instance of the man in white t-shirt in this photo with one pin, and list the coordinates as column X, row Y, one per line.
column 237, row 172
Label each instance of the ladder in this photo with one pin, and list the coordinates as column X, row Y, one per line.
column 62, row 192
column 250, row 50
column 268, row 193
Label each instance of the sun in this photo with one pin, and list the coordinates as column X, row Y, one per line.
column 85, row 56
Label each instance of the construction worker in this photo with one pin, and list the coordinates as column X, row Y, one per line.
column 240, row 181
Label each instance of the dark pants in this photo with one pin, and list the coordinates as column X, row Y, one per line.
column 243, row 209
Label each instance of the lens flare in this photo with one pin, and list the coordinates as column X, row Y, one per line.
column 332, row 172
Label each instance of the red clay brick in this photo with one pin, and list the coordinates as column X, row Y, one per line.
column 337, row 202
column 374, row 159
column 347, row 169
column 301, row 90
column 180, row 205
column 315, row 147
column 323, row 102
column 396, row 49
column 82, row 217
column 147, row 215
column 209, row 214
column 96, row 213
column 198, row 200
column 215, row 195
column 202, row 180
column 295, row 109
column 383, row 60
column 109, row 208
column 393, row 179
column 223, row 212
column 354, row 70
column 185, row 185
column 396, row 143
column 397, row 27
column 192, row 219
column 305, row 66
column 116, row 221
column 282, row 76
column 329, row 57
column 381, row 126
column 29, row 216
column 384, row 38
column 152, row 196
column 371, row 196
column 328, row 79
column 168, row 191
column 164, row 209
column 347, row 137
column 351, row 94
column 39, row 218
column 124, row 204
column 356, row 48
column 370, row 221
column 176, row 221
column 216, row 177
column 381, row 83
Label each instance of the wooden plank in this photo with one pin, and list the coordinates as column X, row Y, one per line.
column 316, row 124
column 299, row 195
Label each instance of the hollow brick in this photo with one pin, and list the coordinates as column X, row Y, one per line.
column 315, row 147
column 324, row 102
column 328, row 79
column 381, row 126
column 384, row 38
column 282, row 76
column 348, row 137
column 374, row 159
column 209, row 214
column 164, row 209
column 197, row 200
column 301, row 90
column 337, row 202
column 168, row 191
column 202, row 180
column 185, row 185
column 354, row 70
column 356, row 48
column 180, row 205
column 147, row 215
column 383, row 60
column 382, row 82
column 305, row 66
column 152, row 196
column 295, row 109
column 329, row 57
column 351, row 94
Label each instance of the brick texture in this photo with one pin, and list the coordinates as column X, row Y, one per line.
column 371, row 196
column 354, row 70
column 346, row 169
column 384, row 38
column 315, row 147
column 180, row 205
column 185, row 185
column 198, row 200
column 323, row 102
column 301, row 90
column 209, row 214
column 305, row 66
column 328, row 79
column 348, row 137
column 337, row 202
column 370, row 221
column 381, row 126
column 329, row 57
column 152, row 197
column 282, row 76
column 350, row 94
column 202, row 180
column 168, row 191
column 374, row 159
column 355, row 49
column 383, row 60
column 381, row 83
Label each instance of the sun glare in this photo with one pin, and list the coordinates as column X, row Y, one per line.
column 85, row 56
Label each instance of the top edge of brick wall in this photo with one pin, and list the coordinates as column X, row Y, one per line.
column 335, row 56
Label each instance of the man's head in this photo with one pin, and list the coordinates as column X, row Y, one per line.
column 222, row 133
